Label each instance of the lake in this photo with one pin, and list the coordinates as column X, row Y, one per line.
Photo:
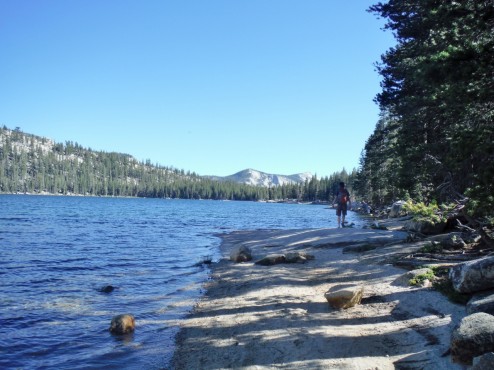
column 58, row 252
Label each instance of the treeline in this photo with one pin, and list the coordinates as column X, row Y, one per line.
column 435, row 136
column 32, row 164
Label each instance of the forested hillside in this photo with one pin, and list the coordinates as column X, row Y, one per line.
column 32, row 164
column 435, row 136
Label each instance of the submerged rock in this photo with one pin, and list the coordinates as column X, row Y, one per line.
column 107, row 289
column 122, row 324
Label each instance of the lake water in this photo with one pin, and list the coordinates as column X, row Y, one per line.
column 57, row 253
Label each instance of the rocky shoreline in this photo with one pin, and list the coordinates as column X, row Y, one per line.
column 277, row 315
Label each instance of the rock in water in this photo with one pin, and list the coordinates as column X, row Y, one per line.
column 473, row 337
column 473, row 276
column 241, row 253
column 107, row 289
column 344, row 296
column 122, row 324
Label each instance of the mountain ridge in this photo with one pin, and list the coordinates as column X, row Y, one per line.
column 254, row 177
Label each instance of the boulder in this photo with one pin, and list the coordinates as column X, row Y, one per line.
column 241, row 253
column 298, row 257
column 344, row 296
column 397, row 209
column 483, row 302
column 484, row 362
column 273, row 259
column 122, row 324
column 453, row 241
column 473, row 337
column 473, row 276
column 426, row 227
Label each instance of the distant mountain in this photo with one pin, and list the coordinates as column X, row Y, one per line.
column 31, row 164
column 258, row 178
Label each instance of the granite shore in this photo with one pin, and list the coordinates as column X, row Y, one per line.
column 276, row 317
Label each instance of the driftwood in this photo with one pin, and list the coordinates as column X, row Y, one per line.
column 480, row 228
column 462, row 227
column 449, row 257
column 473, row 225
column 413, row 263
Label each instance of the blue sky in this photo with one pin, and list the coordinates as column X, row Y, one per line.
column 211, row 86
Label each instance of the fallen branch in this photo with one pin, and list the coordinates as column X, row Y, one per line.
column 479, row 227
column 464, row 227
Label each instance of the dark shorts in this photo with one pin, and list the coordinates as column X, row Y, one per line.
column 341, row 209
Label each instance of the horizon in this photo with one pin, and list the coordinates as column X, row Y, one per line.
column 280, row 87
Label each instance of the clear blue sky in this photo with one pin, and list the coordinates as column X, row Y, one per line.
column 211, row 86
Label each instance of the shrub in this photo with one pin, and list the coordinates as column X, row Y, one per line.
column 423, row 212
column 419, row 279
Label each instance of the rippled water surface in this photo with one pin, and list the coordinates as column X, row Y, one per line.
column 58, row 252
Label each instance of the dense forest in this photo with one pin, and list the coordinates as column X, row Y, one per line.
column 434, row 140
column 32, row 164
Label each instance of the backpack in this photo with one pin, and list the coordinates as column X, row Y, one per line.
column 342, row 197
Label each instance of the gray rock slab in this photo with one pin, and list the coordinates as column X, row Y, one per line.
column 482, row 302
column 287, row 240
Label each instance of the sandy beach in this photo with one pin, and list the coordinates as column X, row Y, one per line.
column 276, row 317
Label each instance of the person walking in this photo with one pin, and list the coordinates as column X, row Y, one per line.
column 342, row 200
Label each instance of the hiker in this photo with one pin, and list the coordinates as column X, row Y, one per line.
column 342, row 200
